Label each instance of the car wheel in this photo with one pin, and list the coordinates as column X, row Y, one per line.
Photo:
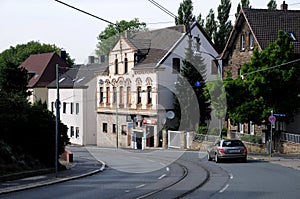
column 208, row 157
column 217, row 159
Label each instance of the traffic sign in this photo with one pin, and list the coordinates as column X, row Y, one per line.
column 272, row 118
column 279, row 114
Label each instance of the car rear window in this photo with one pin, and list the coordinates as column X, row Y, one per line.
column 230, row 143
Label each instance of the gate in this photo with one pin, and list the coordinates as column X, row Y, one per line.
column 174, row 139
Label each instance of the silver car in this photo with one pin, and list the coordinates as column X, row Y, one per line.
column 227, row 149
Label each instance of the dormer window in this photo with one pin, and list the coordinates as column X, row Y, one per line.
column 292, row 36
column 251, row 41
column 242, row 42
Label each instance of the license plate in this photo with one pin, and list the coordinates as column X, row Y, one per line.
column 234, row 151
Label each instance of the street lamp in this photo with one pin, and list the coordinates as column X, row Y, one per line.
column 117, row 117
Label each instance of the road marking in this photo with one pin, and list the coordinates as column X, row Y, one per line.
column 230, row 176
column 127, row 191
column 162, row 176
column 222, row 190
column 167, row 169
column 162, row 164
column 150, row 160
column 140, row 186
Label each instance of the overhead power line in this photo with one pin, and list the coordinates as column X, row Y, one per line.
column 163, row 8
column 85, row 12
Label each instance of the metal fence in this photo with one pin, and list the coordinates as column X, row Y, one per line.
column 289, row 137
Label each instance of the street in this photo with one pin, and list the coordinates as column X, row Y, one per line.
column 172, row 174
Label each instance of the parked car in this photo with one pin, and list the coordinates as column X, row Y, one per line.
column 227, row 149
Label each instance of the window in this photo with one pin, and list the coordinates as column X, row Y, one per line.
column 292, row 36
column 114, row 95
column 72, row 131
column 114, row 128
column 107, row 95
column 251, row 128
column 104, row 127
column 71, row 108
column 242, row 42
column 64, row 107
column 77, row 108
column 77, row 132
column 241, row 128
column 176, row 65
column 128, row 95
column 123, row 130
column 251, row 41
column 214, row 67
column 125, row 65
column 116, row 66
column 139, row 95
column 101, row 95
column 121, row 98
column 149, row 95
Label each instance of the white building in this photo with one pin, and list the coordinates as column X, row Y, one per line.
column 133, row 98
column 78, row 102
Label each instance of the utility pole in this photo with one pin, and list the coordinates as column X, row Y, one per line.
column 57, row 105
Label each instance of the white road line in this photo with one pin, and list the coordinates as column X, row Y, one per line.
column 167, row 169
column 230, row 176
column 162, row 176
column 222, row 190
column 150, row 160
column 127, row 191
column 162, row 164
column 140, row 186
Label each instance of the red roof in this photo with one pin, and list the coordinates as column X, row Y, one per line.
column 43, row 67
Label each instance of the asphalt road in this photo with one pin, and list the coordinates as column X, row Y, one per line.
column 169, row 174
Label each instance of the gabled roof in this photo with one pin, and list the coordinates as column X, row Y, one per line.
column 79, row 75
column 43, row 68
column 155, row 44
column 265, row 24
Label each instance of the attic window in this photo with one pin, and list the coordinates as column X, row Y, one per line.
column 242, row 44
column 292, row 36
column 251, row 41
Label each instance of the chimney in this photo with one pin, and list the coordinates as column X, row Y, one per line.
column 127, row 34
column 284, row 6
column 91, row 60
column 101, row 59
column 63, row 55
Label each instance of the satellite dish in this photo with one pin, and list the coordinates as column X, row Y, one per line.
column 170, row 114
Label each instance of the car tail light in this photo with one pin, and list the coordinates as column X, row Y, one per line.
column 245, row 150
column 221, row 151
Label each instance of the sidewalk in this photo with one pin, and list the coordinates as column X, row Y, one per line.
column 84, row 164
column 287, row 160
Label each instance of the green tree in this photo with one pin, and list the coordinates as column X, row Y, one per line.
column 211, row 24
column 269, row 83
column 224, row 25
column 200, row 20
column 190, row 104
column 272, row 5
column 243, row 4
column 110, row 35
column 185, row 13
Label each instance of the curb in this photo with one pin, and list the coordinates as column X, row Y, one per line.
column 51, row 181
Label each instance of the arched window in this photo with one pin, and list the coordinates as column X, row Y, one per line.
column 125, row 64
column 242, row 42
column 116, row 66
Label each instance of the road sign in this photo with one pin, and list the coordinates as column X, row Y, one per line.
column 279, row 114
column 272, row 118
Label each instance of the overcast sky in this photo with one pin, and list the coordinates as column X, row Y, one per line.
column 50, row 22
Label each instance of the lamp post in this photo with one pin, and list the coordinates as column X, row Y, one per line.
column 57, row 105
column 117, row 117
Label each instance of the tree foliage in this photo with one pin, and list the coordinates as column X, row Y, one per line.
column 272, row 5
column 224, row 25
column 190, row 103
column 243, row 4
column 185, row 13
column 211, row 24
column 109, row 36
column 269, row 82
